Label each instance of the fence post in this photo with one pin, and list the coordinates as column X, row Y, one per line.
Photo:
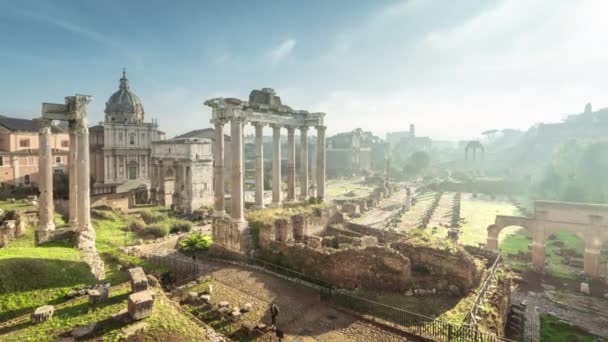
column 449, row 332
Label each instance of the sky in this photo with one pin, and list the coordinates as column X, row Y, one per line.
column 452, row 68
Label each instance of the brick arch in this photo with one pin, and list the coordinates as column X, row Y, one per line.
column 502, row 222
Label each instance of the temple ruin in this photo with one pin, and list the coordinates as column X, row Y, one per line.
column 74, row 111
column 263, row 108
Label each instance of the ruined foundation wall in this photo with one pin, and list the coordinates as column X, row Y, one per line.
column 376, row 267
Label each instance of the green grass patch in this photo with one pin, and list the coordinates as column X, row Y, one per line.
column 345, row 189
column 554, row 330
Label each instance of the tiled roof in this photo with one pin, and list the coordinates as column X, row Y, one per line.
column 25, row 125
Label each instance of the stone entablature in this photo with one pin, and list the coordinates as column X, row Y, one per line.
column 182, row 173
column 588, row 221
column 264, row 108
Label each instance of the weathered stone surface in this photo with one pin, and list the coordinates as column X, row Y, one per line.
column 235, row 315
column 206, row 298
column 99, row 294
column 140, row 305
column 84, row 331
column 42, row 314
column 247, row 307
column 585, row 288
column 139, row 281
column 223, row 304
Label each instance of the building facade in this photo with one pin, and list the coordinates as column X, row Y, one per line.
column 19, row 144
column 354, row 153
column 121, row 148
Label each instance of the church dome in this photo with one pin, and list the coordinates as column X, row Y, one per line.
column 124, row 106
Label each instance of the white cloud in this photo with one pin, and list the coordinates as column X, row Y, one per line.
column 282, row 51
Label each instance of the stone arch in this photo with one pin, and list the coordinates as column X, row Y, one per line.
column 474, row 146
column 502, row 222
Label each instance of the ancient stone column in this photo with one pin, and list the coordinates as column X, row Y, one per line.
column 236, row 193
column 46, row 207
column 592, row 247
column 73, row 175
column 291, row 164
column 320, row 162
column 304, row 162
column 276, row 165
column 259, row 165
column 219, row 209
column 86, row 236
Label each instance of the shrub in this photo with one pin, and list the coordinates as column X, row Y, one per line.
column 196, row 243
column 159, row 229
column 152, row 217
column 137, row 225
column 180, row 226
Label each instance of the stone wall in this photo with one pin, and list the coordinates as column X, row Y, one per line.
column 375, row 267
column 120, row 201
column 437, row 268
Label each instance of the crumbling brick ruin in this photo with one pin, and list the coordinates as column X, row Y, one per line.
column 351, row 256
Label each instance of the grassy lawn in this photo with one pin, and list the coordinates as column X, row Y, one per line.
column 478, row 214
column 31, row 276
column 165, row 324
column 338, row 189
column 554, row 330
column 18, row 204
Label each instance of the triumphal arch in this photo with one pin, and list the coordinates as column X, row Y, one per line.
column 263, row 108
column 588, row 221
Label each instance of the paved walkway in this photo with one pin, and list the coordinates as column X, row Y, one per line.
column 378, row 216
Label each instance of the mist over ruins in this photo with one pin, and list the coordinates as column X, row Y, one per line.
column 304, row 171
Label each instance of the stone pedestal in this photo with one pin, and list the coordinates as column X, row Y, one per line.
column 140, row 305
column 138, row 279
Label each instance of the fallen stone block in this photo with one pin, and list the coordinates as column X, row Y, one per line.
column 139, row 281
column 223, row 304
column 206, row 298
column 42, row 314
column 585, row 288
column 247, row 307
column 140, row 305
column 235, row 316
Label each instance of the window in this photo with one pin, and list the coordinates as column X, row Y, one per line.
column 24, row 143
column 132, row 139
column 58, row 160
column 65, row 143
column 26, row 179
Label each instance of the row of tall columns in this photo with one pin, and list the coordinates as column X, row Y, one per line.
column 237, row 201
column 79, row 184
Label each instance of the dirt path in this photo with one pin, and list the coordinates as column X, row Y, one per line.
column 378, row 216
column 303, row 316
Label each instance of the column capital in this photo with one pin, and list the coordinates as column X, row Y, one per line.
column 275, row 126
column 81, row 126
column 321, row 128
column 291, row 129
column 219, row 121
column 304, row 129
column 44, row 125
column 258, row 124
column 238, row 119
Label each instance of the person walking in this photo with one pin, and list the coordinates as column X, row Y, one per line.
column 274, row 312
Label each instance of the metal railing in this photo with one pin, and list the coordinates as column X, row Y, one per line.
column 471, row 315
